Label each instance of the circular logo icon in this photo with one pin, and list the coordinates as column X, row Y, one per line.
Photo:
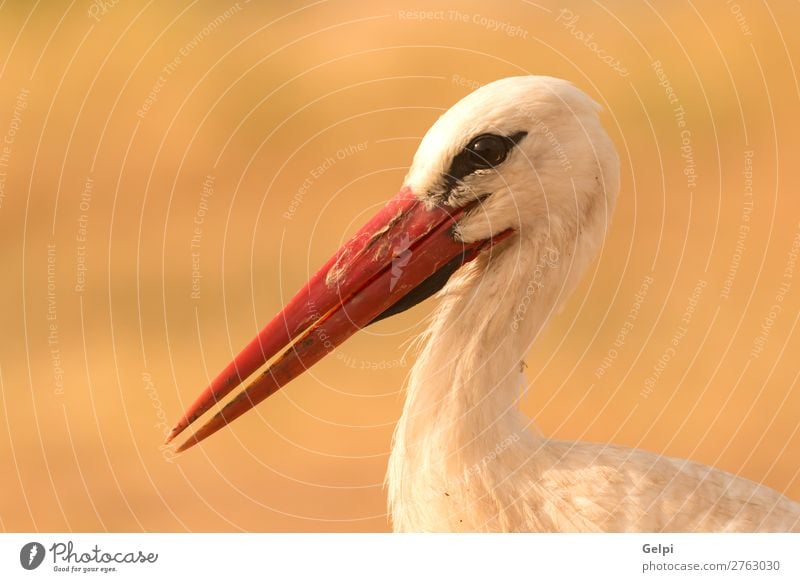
column 31, row 555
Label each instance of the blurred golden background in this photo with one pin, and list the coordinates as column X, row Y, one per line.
column 170, row 174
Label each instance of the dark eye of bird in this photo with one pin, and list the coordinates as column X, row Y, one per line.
column 487, row 151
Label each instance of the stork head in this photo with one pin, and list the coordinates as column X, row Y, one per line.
column 521, row 156
column 530, row 149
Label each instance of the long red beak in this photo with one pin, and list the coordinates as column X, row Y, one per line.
column 402, row 248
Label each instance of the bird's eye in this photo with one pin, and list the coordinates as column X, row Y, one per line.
column 488, row 151
column 484, row 151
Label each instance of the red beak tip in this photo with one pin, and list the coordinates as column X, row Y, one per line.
column 185, row 446
column 176, row 430
column 190, row 442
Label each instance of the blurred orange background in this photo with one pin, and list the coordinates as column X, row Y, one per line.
column 161, row 197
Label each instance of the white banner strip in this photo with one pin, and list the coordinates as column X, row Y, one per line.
column 415, row 557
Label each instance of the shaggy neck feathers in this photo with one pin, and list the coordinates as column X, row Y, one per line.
column 468, row 377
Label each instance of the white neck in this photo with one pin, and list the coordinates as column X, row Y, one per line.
column 461, row 433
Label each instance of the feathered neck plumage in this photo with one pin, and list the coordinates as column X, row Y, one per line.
column 460, row 417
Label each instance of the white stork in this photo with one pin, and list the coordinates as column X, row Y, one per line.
column 507, row 201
